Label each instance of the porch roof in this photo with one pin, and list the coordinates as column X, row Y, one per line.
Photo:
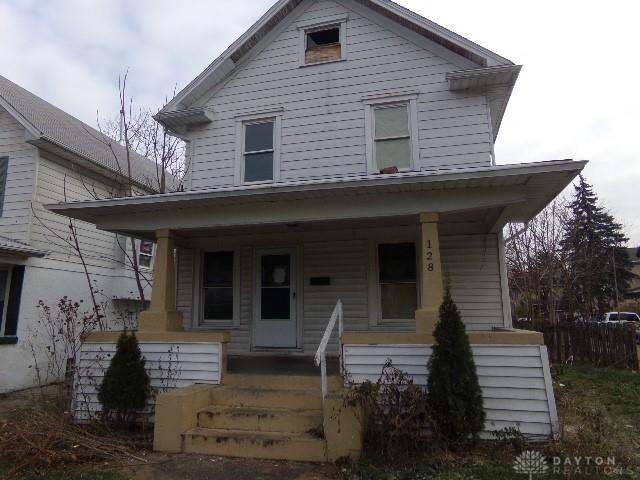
column 521, row 191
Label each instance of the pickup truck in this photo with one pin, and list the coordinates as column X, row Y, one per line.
column 624, row 317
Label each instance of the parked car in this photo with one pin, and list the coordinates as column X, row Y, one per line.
column 624, row 317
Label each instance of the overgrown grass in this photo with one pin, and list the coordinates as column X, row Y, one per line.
column 74, row 474
column 600, row 416
column 600, row 412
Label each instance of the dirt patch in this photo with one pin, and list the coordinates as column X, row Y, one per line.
column 199, row 467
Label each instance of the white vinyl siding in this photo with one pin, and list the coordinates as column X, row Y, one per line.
column 50, row 232
column 471, row 263
column 169, row 365
column 20, row 158
column 323, row 116
column 515, row 380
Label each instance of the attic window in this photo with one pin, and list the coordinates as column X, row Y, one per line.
column 323, row 45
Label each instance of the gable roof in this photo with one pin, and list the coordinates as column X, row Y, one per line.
column 57, row 131
column 222, row 67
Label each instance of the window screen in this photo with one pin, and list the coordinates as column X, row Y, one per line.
column 398, row 281
column 392, row 137
column 217, row 282
column 258, row 152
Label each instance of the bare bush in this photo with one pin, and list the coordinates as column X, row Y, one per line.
column 395, row 414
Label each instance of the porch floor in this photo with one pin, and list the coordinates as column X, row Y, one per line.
column 279, row 365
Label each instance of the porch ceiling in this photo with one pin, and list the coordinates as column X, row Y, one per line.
column 505, row 193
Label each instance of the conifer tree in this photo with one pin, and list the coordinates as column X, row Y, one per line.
column 455, row 398
column 126, row 386
column 597, row 260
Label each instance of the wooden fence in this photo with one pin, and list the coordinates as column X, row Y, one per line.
column 595, row 344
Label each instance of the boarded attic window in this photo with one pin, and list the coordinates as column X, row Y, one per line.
column 323, row 45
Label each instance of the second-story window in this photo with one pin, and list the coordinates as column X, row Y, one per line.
column 145, row 254
column 259, row 151
column 391, row 125
column 392, row 137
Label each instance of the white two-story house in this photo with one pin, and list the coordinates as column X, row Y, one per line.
column 340, row 159
column 46, row 156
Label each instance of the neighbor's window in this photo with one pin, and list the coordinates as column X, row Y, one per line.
column 11, row 279
column 4, row 292
column 259, row 151
column 323, row 45
column 392, row 138
column 398, row 281
column 145, row 253
column 217, row 285
column 4, row 166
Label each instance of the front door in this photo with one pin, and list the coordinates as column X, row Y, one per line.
column 276, row 320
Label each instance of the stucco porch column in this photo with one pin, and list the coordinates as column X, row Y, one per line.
column 162, row 315
column 431, row 269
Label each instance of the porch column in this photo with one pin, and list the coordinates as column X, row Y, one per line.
column 162, row 315
column 432, row 290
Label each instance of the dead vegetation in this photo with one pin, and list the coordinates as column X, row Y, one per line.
column 43, row 436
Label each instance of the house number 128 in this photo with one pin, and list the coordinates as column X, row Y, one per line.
column 428, row 255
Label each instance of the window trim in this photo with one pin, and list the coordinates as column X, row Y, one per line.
column 375, row 296
column 3, row 319
column 241, row 123
column 339, row 21
column 371, row 104
column 199, row 321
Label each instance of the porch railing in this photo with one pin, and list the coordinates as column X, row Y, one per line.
column 321, row 354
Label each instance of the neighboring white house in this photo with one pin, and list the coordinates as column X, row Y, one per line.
column 49, row 156
column 340, row 153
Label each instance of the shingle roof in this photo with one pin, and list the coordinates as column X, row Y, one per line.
column 56, row 126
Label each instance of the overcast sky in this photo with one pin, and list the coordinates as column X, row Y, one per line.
column 577, row 96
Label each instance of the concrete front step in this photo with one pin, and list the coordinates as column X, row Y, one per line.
column 251, row 397
column 273, row 446
column 260, row 419
column 296, row 382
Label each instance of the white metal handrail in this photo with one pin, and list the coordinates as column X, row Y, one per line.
column 321, row 354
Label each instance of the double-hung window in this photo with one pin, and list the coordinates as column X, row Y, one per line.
column 397, row 281
column 392, row 137
column 259, row 151
column 392, row 134
column 218, row 294
column 145, row 254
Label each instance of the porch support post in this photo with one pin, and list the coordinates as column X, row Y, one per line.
column 162, row 315
column 432, row 290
